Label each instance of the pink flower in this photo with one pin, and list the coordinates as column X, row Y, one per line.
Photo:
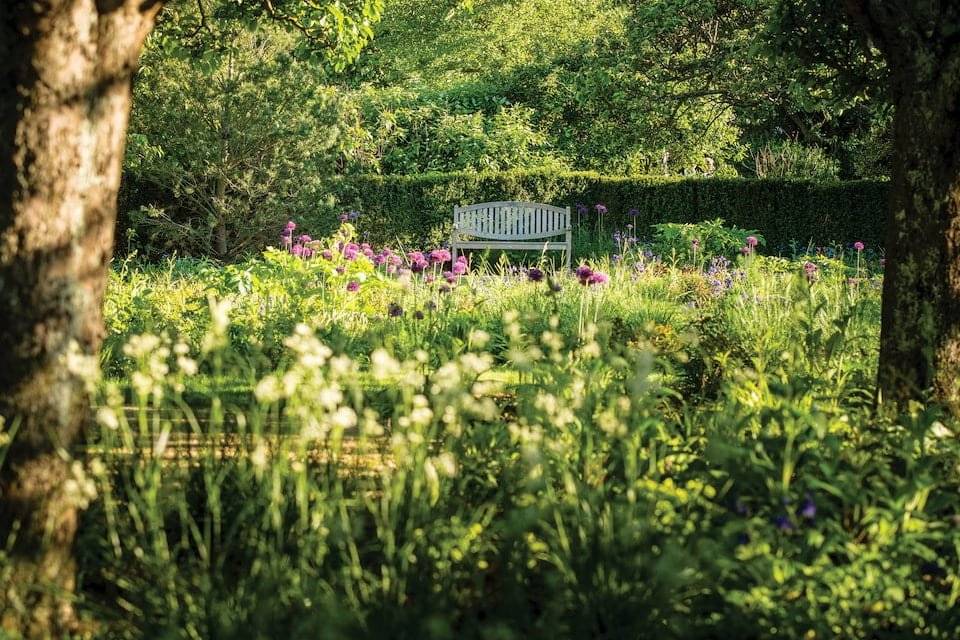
column 438, row 256
column 597, row 278
column 859, row 246
column 353, row 285
column 751, row 241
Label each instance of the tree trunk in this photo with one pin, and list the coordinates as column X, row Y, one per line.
column 920, row 331
column 64, row 103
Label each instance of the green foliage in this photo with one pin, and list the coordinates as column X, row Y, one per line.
column 789, row 159
column 694, row 242
column 597, row 461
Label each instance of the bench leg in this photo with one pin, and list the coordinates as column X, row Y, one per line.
column 453, row 252
column 569, row 249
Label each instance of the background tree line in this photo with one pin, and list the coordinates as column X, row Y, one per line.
column 252, row 126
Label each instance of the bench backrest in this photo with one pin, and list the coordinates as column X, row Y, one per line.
column 511, row 220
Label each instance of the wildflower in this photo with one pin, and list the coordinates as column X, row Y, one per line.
column 629, row 228
column 350, row 251
column 450, row 277
column 582, row 209
column 746, row 250
column 633, row 213
column 583, row 272
column 344, row 217
column 597, row 278
column 783, row 523
column 601, row 208
column 859, row 246
column 291, row 225
column 751, row 241
column 394, row 310
column 341, row 269
column 326, row 254
column 418, row 315
column 353, row 285
column 353, row 215
column 534, row 274
column 808, row 509
column 460, row 266
column 304, row 239
column 297, row 250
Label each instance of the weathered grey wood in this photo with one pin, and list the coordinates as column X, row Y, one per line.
column 507, row 224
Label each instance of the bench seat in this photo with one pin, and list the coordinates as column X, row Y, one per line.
column 525, row 226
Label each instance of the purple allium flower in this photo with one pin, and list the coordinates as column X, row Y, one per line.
column 601, row 208
column 291, row 225
column 439, row 256
column 751, row 241
column 343, row 217
column 582, row 209
column 353, row 215
column 297, row 250
column 460, row 266
column 394, row 310
column 859, row 246
column 583, row 272
column 629, row 228
column 450, row 277
column 633, row 213
column 341, row 269
column 304, row 239
column 326, row 254
column 534, row 274
column 353, row 285
column 808, row 509
column 746, row 250
column 350, row 251
column 418, row 315
column 597, row 278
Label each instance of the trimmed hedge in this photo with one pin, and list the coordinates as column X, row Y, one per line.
column 416, row 209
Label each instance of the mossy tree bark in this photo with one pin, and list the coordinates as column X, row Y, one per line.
column 66, row 68
column 920, row 332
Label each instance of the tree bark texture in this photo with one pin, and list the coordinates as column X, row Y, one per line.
column 920, row 331
column 66, row 68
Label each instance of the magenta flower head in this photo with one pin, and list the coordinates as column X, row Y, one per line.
column 601, row 208
column 597, row 278
column 341, row 269
column 291, row 225
column 859, row 246
column 535, row 274
column 460, row 266
column 297, row 250
column 745, row 250
column 584, row 272
column 344, row 217
column 304, row 239
column 450, row 276
column 751, row 241
column 326, row 254
column 439, row 256
column 353, row 285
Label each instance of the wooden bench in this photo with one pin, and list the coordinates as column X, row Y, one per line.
column 511, row 225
